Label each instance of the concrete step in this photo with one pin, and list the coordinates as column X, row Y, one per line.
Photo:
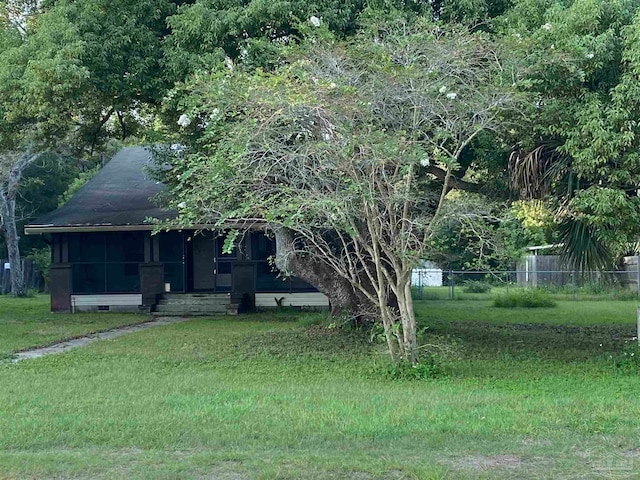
column 191, row 314
column 191, row 309
column 195, row 304
column 194, row 301
column 168, row 296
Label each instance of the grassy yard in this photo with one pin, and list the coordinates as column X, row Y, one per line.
column 27, row 322
column 527, row 394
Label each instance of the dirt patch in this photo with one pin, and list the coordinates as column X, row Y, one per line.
column 632, row 452
column 482, row 462
column 535, row 442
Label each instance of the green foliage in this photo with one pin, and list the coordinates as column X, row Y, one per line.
column 524, row 298
column 477, row 233
column 82, row 178
column 429, row 367
column 580, row 145
column 88, row 69
column 253, row 32
column 628, row 360
column 42, row 259
column 476, row 286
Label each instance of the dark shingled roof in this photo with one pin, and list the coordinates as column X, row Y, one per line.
column 118, row 196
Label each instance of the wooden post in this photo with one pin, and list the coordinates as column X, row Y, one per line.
column 638, row 274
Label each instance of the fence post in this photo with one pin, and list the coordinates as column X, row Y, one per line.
column 452, row 285
column 638, row 274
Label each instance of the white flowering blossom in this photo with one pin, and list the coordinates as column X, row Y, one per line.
column 425, row 162
column 452, row 95
column 229, row 63
column 546, row 26
column 315, row 21
column 333, row 85
column 182, row 205
column 184, row 120
column 442, row 89
column 215, row 113
column 553, row 46
column 590, row 55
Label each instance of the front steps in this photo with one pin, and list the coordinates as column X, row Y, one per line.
column 195, row 304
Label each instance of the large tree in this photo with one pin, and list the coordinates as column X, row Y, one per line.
column 579, row 150
column 71, row 74
column 346, row 153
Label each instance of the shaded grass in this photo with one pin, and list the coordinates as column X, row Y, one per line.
column 27, row 323
column 604, row 312
column 264, row 397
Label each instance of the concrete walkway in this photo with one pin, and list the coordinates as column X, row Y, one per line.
column 66, row 345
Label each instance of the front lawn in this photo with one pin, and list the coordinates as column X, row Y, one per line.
column 267, row 396
column 27, row 323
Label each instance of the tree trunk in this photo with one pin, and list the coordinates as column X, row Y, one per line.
column 409, row 336
column 342, row 296
column 10, row 233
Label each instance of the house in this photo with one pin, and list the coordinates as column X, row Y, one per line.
column 105, row 257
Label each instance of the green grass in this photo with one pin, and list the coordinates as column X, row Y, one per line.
column 27, row 322
column 566, row 312
column 568, row 292
column 265, row 397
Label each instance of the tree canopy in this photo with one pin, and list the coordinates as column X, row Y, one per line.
column 346, row 152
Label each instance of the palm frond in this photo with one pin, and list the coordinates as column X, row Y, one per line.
column 534, row 174
column 582, row 249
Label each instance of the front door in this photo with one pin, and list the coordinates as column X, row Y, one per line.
column 211, row 267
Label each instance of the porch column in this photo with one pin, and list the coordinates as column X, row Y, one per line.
column 60, row 287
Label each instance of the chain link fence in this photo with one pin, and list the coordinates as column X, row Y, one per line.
column 453, row 284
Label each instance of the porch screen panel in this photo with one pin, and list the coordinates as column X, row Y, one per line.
column 87, row 256
column 125, row 252
column 106, row 262
column 88, row 277
column 267, row 279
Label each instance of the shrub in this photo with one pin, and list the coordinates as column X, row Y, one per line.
column 428, row 367
column 474, row 286
column 628, row 360
column 524, row 299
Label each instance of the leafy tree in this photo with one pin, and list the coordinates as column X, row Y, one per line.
column 97, row 65
column 346, row 152
column 474, row 234
column 580, row 147
column 70, row 73
column 254, row 30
